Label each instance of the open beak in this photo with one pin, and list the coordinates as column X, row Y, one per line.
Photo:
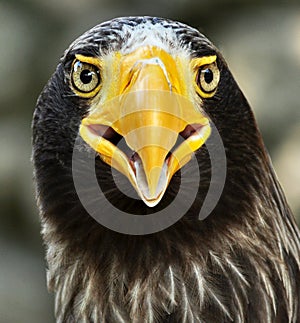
column 150, row 111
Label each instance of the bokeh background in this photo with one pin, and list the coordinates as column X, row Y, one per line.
column 259, row 39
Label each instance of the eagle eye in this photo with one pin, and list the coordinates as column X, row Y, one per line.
column 207, row 79
column 86, row 79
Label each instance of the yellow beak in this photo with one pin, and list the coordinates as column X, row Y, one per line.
column 150, row 112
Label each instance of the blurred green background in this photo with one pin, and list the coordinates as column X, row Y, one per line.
column 260, row 40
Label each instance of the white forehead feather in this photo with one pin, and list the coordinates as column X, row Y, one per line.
column 126, row 34
column 149, row 34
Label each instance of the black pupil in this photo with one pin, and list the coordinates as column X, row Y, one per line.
column 86, row 76
column 208, row 75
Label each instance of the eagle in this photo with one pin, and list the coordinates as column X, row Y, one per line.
column 126, row 128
